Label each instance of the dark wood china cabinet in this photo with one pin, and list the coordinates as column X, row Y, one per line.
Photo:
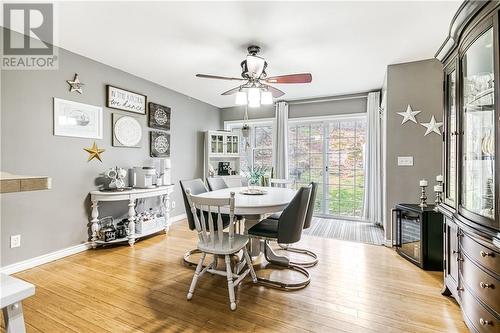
column 471, row 200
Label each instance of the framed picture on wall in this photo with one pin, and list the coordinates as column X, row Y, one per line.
column 159, row 116
column 127, row 131
column 159, row 144
column 126, row 100
column 77, row 119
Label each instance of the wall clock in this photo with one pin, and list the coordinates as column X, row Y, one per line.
column 127, row 131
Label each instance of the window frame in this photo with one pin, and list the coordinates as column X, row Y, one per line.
column 229, row 125
column 326, row 120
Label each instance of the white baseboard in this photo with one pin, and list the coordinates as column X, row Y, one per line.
column 178, row 218
column 43, row 259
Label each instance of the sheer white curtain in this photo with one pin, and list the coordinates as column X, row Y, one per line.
column 281, row 141
column 373, row 161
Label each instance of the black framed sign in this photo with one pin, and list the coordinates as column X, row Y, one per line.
column 159, row 116
column 126, row 100
column 160, row 144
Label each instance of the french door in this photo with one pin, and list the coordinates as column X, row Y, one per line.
column 331, row 153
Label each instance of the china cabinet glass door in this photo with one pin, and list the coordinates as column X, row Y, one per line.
column 478, row 129
column 229, row 144
column 451, row 139
column 217, row 144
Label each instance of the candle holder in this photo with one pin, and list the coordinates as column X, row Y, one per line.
column 423, row 198
column 439, row 197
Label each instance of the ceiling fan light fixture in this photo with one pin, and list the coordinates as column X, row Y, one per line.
column 254, row 103
column 241, row 98
column 253, row 95
column 266, row 98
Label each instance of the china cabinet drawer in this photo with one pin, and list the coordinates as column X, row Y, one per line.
column 481, row 254
column 482, row 284
column 482, row 319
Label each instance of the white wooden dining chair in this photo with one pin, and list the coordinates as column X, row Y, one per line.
column 285, row 183
column 216, row 241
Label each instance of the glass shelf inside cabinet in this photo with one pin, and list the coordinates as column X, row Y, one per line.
column 478, row 145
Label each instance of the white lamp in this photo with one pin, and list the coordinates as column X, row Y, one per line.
column 241, row 98
column 254, row 97
column 266, row 98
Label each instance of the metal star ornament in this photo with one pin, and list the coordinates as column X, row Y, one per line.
column 409, row 114
column 94, row 152
column 75, row 85
column 432, row 126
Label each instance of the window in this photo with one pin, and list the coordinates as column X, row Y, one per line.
column 330, row 153
column 257, row 150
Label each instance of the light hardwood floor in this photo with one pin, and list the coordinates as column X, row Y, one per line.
column 355, row 288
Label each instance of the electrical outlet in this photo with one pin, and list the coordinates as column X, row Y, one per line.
column 15, row 241
column 173, row 204
column 405, row 160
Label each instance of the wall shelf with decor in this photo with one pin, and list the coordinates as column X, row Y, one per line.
column 222, row 157
column 471, row 143
column 150, row 226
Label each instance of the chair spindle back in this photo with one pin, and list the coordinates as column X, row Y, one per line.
column 284, row 183
column 205, row 210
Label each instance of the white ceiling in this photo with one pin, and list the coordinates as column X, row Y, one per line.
column 345, row 45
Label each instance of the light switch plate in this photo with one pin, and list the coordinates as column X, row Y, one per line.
column 15, row 241
column 405, row 160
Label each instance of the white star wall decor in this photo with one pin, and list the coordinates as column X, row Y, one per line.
column 432, row 126
column 75, row 85
column 409, row 114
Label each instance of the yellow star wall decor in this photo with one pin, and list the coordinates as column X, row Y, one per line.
column 94, row 152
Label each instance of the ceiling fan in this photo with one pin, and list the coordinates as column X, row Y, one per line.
column 256, row 82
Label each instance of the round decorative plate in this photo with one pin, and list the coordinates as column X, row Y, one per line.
column 128, row 131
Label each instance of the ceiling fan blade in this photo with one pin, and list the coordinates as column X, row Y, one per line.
column 275, row 91
column 207, row 76
column 291, row 78
column 231, row 91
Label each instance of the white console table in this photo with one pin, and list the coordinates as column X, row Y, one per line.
column 130, row 196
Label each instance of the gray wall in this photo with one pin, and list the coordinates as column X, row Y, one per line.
column 308, row 108
column 57, row 219
column 420, row 85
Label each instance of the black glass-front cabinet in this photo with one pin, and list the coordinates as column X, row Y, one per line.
column 471, row 205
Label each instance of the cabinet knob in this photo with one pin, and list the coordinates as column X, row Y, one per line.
column 455, row 252
column 486, row 254
column 485, row 322
column 486, row 285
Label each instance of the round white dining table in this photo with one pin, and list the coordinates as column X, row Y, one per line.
column 254, row 207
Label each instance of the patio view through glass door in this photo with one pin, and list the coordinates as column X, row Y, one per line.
column 330, row 153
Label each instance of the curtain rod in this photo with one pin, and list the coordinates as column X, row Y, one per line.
column 325, row 99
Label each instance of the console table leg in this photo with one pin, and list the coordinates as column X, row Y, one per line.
column 166, row 204
column 131, row 224
column 13, row 318
column 95, row 225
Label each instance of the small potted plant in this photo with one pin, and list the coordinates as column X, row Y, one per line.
column 255, row 175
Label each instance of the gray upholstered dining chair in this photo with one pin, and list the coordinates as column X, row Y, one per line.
column 216, row 183
column 286, row 230
column 215, row 241
column 307, row 224
column 196, row 186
